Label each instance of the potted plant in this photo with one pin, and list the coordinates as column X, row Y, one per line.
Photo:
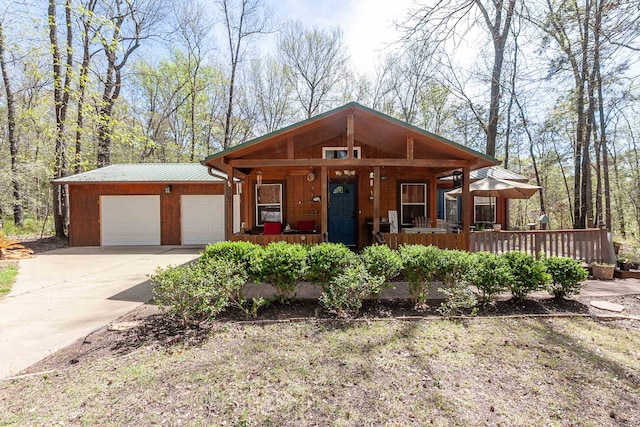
column 602, row 271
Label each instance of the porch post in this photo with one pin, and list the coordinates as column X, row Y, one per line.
column 433, row 201
column 324, row 205
column 350, row 136
column 228, row 205
column 466, row 206
column 376, row 199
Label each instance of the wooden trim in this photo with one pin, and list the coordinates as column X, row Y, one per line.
column 324, row 205
column 466, row 205
column 409, row 148
column 265, row 239
column 228, row 205
column 376, row 199
column 433, row 202
column 350, row 136
column 425, row 163
column 399, row 184
column 442, row 241
column 290, row 150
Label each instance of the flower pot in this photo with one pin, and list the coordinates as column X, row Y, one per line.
column 602, row 272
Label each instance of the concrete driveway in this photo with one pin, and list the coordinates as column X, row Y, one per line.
column 62, row 295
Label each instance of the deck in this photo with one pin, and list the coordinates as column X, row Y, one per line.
column 590, row 245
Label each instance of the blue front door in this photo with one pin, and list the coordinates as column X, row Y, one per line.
column 342, row 213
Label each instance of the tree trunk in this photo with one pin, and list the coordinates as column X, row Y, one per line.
column 82, row 84
column 500, row 33
column 603, row 133
column 61, row 100
column 18, row 215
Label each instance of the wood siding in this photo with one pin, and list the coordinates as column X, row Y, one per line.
column 84, row 210
column 298, row 205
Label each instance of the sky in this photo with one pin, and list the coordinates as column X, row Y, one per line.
column 368, row 25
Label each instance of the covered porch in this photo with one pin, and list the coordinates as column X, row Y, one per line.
column 349, row 175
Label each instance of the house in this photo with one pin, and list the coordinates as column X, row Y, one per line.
column 349, row 172
column 340, row 175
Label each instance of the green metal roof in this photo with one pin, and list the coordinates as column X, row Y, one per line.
column 337, row 110
column 143, row 172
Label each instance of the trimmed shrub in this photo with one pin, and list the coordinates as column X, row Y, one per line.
column 455, row 269
column 198, row 291
column 246, row 255
column 528, row 274
column 380, row 260
column 567, row 276
column 347, row 290
column 491, row 275
column 420, row 266
column 283, row 264
column 455, row 266
column 327, row 260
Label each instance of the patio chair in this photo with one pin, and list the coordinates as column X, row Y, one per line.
column 272, row 228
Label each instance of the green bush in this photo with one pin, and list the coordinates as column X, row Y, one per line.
column 283, row 264
column 527, row 274
column 491, row 275
column 420, row 265
column 246, row 255
column 455, row 269
column 380, row 260
column 327, row 260
column 455, row 266
column 567, row 276
column 197, row 291
column 347, row 290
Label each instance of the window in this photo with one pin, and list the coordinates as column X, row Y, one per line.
column 339, row 152
column 484, row 209
column 268, row 203
column 413, row 202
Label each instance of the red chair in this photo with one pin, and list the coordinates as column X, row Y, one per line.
column 272, row 228
column 306, row 225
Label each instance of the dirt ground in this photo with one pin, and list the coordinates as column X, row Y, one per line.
column 148, row 326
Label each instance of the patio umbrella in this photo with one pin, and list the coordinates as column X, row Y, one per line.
column 494, row 187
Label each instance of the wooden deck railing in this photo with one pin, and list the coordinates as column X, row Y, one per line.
column 265, row 239
column 443, row 241
column 590, row 245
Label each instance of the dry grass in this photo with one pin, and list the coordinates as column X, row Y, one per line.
column 510, row 372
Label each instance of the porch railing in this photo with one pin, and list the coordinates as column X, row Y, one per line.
column 590, row 245
column 443, row 241
column 265, row 239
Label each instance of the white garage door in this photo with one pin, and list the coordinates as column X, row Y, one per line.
column 202, row 219
column 130, row 220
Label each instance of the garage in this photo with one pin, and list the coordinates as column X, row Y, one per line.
column 130, row 220
column 202, row 218
column 146, row 204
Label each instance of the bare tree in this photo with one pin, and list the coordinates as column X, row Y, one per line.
column 316, row 60
column 272, row 92
column 192, row 29
column 123, row 27
column 11, row 133
column 440, row 27
column 87, row 16
column 243, row 20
